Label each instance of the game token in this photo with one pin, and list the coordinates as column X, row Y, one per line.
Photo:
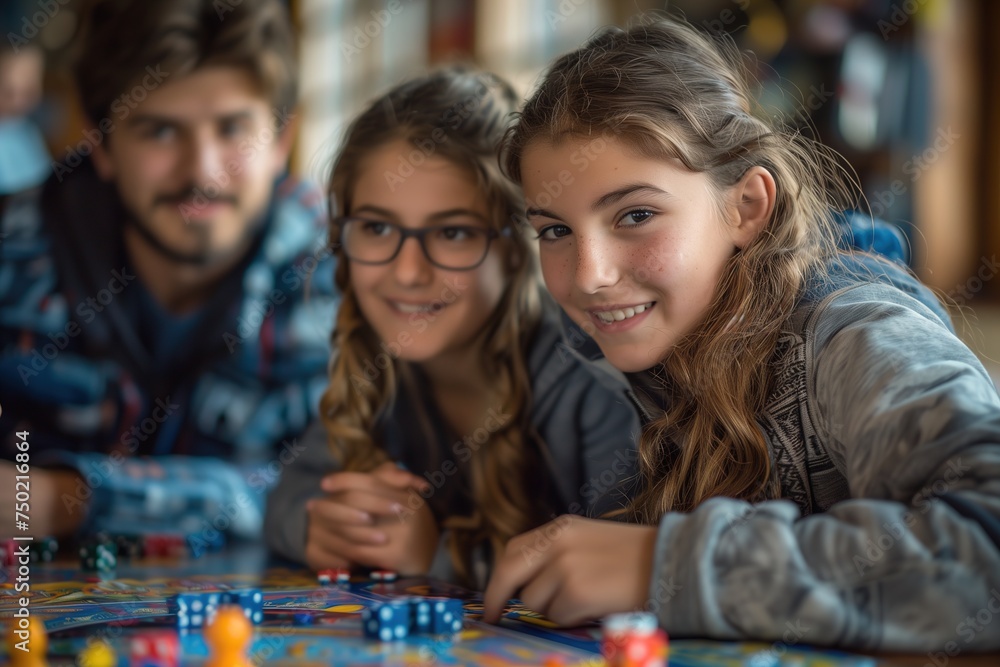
column 339, row 574
column 633, row 640
column 383, row 575
column 38, row 643
column 228, row 636
column 97, row 653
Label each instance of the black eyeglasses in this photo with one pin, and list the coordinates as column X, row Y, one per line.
column 451, row 247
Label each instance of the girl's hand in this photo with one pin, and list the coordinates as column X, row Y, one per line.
column 360, row 521
column 573, row 570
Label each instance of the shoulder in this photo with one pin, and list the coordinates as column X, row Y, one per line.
column 883, row 277
column 295, row 250
column 879, row 308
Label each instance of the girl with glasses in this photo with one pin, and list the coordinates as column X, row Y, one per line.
column 820, row 460
column 456, row 415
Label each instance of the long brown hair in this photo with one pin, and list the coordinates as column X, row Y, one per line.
column 670, row 92
column 462, row 114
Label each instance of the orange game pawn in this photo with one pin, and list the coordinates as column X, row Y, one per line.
column 228, row 637
column 27, row 644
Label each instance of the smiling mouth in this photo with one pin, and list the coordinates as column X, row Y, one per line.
column 410, row 308
column 621, row 314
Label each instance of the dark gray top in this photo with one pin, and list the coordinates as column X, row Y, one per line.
column 580, row 409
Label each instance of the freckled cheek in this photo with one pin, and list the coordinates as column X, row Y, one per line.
column 558, row 275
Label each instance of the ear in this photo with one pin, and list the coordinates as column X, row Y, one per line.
column 753, row 198
column 103, row 163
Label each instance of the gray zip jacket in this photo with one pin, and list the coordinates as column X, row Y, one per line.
column 885, row 437
column 580, row 409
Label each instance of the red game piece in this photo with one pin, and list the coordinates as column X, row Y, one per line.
column 383, row 575
column 634, row 640
column 339, row 574
column 158, row 648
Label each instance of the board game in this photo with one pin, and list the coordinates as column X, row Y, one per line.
column 305, row 623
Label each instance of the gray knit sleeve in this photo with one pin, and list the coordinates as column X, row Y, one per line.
column 911, row 560
column 285, row 517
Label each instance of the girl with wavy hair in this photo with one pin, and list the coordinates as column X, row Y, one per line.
column 456, row 416
column 819, row 450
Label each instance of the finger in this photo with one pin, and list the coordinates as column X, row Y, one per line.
column 368, row 482
column 342, row 481
column 329, row 511
column 517, row 567
column 374, row 504
column 323, row 521
column 393, row 475
column 542, row 592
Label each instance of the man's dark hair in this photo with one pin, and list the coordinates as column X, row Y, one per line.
column 129, row 43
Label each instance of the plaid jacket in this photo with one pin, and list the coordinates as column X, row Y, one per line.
column 191, row 449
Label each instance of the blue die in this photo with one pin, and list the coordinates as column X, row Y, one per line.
column 251, row 600
column 446, row 616
column 386, row 620
column 421, row 609
column 194, row 610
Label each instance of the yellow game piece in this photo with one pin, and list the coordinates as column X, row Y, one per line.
column 228, row 636
column 27, row 642
column 98, row 653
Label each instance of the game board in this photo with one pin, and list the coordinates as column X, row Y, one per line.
column 308, row 624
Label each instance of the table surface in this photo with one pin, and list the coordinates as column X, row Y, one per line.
column 151, row 580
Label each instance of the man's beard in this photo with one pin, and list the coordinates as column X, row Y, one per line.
column 203, row 255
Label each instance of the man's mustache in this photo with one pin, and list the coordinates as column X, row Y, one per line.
column 193, row 196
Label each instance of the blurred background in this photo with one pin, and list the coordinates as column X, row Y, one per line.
column 907, row 90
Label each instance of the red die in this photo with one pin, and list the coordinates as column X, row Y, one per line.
column 165, row 545
column 634, row 640
column 158, row 648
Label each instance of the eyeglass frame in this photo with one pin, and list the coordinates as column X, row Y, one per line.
column 419, row 234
